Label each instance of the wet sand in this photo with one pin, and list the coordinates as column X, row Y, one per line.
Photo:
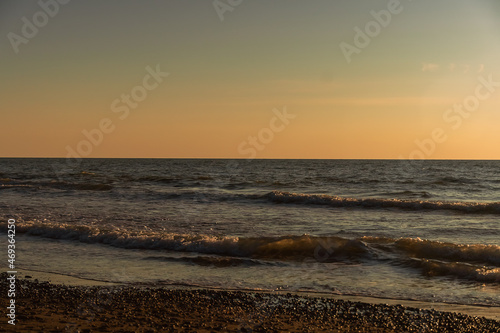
column 47, row 307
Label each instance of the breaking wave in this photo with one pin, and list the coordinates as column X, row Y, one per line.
column 460, row 270
column 277, row 248
column 335, row 201
column 474, row 262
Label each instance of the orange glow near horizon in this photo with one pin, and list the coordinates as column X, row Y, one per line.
column 226, row 78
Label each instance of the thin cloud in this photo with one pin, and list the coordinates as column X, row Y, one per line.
column 429, row 67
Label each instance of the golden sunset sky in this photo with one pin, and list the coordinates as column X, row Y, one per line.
column 356, row 79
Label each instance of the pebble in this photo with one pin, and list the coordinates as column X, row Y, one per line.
column 136, row 309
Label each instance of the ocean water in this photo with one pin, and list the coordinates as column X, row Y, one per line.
column 420, row 230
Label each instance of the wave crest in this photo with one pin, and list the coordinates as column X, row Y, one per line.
column 336, row 201
column 475, row 262
column 417, row 247
column 461, row 270
column 279, row 248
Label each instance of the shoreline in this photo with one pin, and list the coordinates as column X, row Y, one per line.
column 490, row 312
column 45, row 306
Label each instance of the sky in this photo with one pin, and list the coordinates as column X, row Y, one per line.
column 250, row 79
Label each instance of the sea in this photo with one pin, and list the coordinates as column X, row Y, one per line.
column 424, row 230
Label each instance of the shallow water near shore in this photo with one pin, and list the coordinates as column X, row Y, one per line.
column 426, row 231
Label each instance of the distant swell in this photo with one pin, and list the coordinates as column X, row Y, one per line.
column 335, row 201
column 61, row 185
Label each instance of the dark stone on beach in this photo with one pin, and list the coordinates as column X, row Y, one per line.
column 133, row 309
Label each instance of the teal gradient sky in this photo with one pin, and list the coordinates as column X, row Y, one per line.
column 226, row 77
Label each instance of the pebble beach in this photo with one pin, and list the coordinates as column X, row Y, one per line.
column 47, row 307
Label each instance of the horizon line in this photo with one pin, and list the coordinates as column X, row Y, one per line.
column 247, row 159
